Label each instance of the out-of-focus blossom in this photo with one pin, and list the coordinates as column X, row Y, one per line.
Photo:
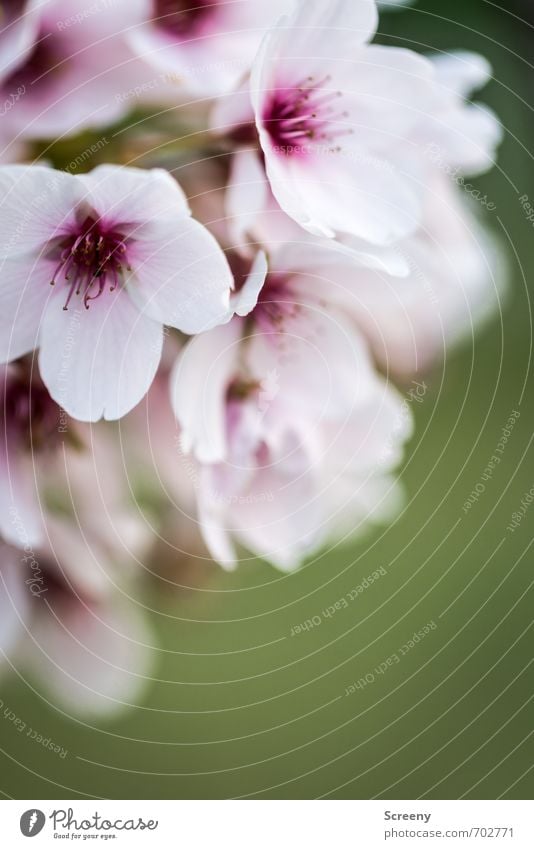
column 163, row 480
column 53, row 465
column 333, row 240
column 334, row 116
column 294, row 434
column 456, row 279
column 92, row 487
column 67, row 67
column 66, row 597
column 67, row 622
column 208, row 46
column 124, row 257
column 459, row 134
column 411, row 300
column 31, row 437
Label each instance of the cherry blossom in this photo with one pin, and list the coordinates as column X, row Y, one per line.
column 70, row 626
column 290, row 447
column 92, row 268
column 334, row 116
column 456, row 279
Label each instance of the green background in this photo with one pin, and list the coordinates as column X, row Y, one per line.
column 241, row 708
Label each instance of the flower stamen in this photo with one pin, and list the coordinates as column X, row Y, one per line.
column 90, row 261
column 304, row 114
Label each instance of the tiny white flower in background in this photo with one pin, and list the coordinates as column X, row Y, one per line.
column 92, row 267
column 334, row 116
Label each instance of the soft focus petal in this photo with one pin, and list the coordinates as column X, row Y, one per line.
column 212, row 518
column 199, row 383
column 459, row 134
column 457, row 278
column 462, row 72
column 20, row 516
column 470, row 138
column 251, row 210
column 93, row 659
column 73, row 555
column 233, row 114
column 321, row 365
column 246, row 299
column 279, row 519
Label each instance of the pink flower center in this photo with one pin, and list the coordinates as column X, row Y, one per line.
column 182, row 17
column 276, row 305
column 91, row 260
column 304, row 115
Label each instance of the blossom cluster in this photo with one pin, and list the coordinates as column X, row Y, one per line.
column 270, row 249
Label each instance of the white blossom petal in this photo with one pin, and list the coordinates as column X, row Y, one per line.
column 181, row 277
column 24, row 291
column 36, row 204
column 199, row 383
column 133, row 195
column 98, row 362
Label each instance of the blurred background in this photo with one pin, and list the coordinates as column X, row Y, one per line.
column 242, row 701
